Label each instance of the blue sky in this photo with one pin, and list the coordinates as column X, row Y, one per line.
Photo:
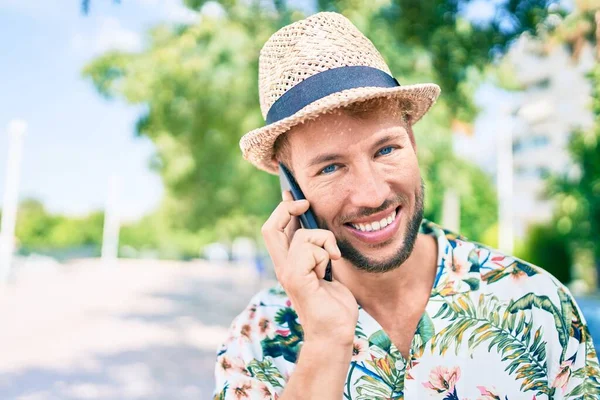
column 75, row 139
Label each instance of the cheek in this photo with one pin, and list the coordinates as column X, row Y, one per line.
column 325, row 199
column 404, row 168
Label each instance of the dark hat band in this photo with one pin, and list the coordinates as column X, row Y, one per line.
column 325, row 83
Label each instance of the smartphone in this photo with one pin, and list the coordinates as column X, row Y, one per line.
column 307, row 220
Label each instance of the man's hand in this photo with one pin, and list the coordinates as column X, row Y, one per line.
column 327, row 310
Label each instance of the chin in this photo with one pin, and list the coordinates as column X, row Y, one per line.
column 384, row 256
column 369, row 262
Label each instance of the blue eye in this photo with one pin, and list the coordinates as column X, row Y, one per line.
column 386, row 150
column 328, row 169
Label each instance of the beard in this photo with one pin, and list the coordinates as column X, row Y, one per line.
column 363, row 263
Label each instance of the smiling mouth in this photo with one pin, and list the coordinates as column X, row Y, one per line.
column 374, row 226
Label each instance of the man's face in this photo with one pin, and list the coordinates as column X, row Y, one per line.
column 358, row 175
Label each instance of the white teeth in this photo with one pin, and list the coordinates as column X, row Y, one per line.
column 383, row 223
column 377, row 225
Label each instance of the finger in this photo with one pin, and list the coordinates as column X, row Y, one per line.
column 320, row 268
column 307, row 258
column 282, row 215
column 319, row 237
column 294, row 224
column 286, row 195
column 273, row 230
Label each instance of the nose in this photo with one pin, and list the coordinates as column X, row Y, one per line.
column 368, row 187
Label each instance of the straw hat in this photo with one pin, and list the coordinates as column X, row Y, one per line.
column 314, row 66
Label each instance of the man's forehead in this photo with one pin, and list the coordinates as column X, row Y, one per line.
column 335, row 144
column 312, row 137
column 336, row 125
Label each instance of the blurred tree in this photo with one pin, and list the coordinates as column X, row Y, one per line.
column 438, row 33
column 37, row 229
column 34, row 224
column 77, row 231
column 199, row 85
column 547, row 247
column 577, row 191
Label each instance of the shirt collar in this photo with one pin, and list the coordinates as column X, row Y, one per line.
column 457, row 267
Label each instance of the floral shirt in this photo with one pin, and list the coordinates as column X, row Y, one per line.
column 495, row 327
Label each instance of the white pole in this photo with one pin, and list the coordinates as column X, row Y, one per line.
column 110, row 237
column 16, row 131
column 451, row 210
column 504, row 182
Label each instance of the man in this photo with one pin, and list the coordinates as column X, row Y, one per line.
column 413, row 311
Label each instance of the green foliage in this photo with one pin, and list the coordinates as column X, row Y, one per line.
column 33, row 224
column 153, row 234
column 456, row 49
column 37, row 229
column 577, row 191
column 198, row 84
column 578, row 195
column 442, row 170
column 547, row 248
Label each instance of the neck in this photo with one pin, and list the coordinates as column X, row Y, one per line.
column 385, row 291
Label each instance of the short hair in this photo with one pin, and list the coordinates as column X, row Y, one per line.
column 361, row 110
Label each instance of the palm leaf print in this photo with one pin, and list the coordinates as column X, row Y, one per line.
column 424, row 333
column 384, row 373
column 266, row 372
column 544, row 303
column 287, row 316
column 286, row 344
column 381, row 340
column 516, row 267
column 358, row 332
column 277, row 291
column 589, row 388
column 510, row 332
column 372, row 389
column 221, row 394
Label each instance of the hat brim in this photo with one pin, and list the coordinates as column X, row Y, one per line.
column 257, row 145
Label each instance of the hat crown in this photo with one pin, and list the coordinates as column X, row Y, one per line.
column 318, row 43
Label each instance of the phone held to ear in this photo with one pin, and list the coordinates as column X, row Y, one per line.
column 307, row 220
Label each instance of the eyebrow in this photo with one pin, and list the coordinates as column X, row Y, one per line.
column 385, row 139
column 323, row 158
column 328, row 157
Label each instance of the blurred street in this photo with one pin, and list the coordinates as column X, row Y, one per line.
column 139, row 329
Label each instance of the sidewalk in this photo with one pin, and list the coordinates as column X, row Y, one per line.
column 137, row 330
